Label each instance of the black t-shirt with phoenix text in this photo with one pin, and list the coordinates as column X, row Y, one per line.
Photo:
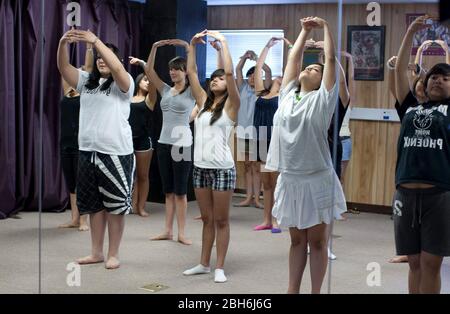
column 423, row 149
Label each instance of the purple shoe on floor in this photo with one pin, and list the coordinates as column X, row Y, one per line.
column 276, row 230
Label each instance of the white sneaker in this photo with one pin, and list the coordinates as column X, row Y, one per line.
column 219, row 276
column 197, row 270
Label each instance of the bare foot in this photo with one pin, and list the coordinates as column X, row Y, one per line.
column 244, row 203
column 258, row 204
column 69, row 225
column 184, row 241
column 83, row 227
column 90, row 260
column 399, row 259
column 198, row 217
column 112, row 263
column 142, row 213
column 162, row 237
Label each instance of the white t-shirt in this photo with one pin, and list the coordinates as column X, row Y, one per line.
column 245, row 129
column 104, row 126
column 211, row 147
column 300, row 128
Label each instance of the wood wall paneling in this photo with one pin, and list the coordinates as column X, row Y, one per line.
column 371, row 172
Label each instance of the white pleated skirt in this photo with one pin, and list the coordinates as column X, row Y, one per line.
column 303, row 201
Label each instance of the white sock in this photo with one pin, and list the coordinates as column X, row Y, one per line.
column 219, row 275
column 331, row 255
column 197, row 270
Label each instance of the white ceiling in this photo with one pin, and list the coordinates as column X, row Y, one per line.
column 248, row 2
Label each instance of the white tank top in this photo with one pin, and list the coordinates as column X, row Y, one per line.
column 211, row 147
column 345, row 128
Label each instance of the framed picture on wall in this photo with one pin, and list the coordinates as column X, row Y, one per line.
column 437, row 31
column 366, row 45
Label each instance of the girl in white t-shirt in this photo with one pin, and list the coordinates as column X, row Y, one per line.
column 106, row 161
column 214, row 169
column 308, row 194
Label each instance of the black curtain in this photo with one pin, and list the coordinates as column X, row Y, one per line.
column 114, row 21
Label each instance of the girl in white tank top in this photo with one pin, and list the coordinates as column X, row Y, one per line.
column 214, row 172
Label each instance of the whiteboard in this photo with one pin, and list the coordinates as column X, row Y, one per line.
column 239, row 41
column 374, row 114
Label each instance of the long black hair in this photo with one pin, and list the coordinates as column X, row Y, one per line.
column 179, row 63
column 94, row 78
column 217, row 112
column 137, row 82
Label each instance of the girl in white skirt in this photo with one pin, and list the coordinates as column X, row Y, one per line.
column 308, row 194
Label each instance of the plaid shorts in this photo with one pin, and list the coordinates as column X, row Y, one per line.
column 215, row 179
column 105, row 182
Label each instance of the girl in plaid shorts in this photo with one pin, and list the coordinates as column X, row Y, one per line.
column 214, row 171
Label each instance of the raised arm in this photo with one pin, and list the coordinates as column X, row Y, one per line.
column 239, row 67
column 267, row 76
column 344, row 94
column 197, row 90
column 351, row 78
column 150, row 66
column 401, row 68
column 89, row 59
column 296, row 53
column 289, row 45
column 150, row 99
column 424, row 46
column 137, row 62
column 216, row 45
column 233, row 102
column 444, row 46
column 118, row 72
column 416, row 68
column 391, row 75
column 289, row 49
column 68, row 72
column 329, row 71
column 259, row 83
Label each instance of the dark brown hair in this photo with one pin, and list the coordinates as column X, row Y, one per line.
column 180, row 64
column 217, row 112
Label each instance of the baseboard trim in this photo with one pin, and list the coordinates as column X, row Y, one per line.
column 370, row 208
column 361, row 207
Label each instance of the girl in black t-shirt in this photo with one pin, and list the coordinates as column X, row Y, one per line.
column 422, row 201
column 142, row 108
column 70, row 112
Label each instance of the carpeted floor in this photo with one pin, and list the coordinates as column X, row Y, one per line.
column 257, row 262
